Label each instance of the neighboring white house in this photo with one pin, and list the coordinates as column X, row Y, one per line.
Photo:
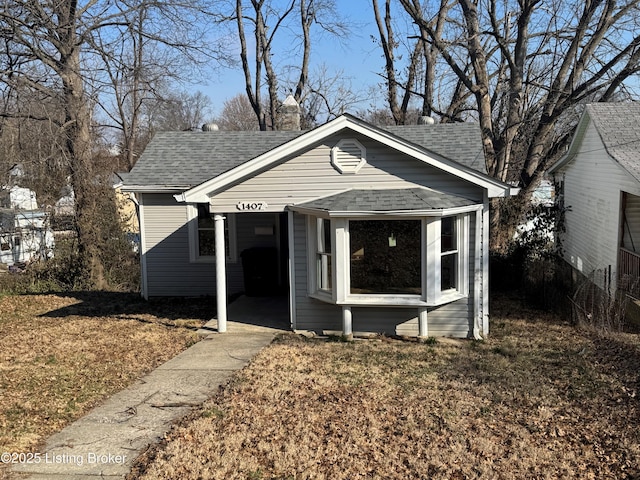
column 362, row 227
column 25, row 233
column 600, row 187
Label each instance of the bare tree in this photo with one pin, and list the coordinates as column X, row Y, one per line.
column 267, row 20
column 527, row 65
column 176, row 112
column 237, row 114
column 54, row 47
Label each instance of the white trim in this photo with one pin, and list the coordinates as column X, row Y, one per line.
column 478, row 280
column 342, row 285
column 292, row 270
column 144, row 287
column 432, row 261
column 354, row 215
column 485, row 267
column 200, row 193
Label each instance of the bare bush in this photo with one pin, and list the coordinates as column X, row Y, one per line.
column 598, row 308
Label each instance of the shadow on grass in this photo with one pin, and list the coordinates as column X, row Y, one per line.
column 103, row 304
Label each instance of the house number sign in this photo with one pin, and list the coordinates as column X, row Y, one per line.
column 251, row 206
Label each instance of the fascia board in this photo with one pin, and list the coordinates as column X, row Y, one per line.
column 154, row 188
column 387, row 213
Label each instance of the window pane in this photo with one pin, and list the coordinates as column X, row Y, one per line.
column 386, row 256
column 448, row 241
column 324, row 254
column 324, row 272
column 448, row 268
column 324, row 236
column 205, row 220
column 206, row 242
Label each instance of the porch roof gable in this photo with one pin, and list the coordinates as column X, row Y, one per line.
column 385, row 201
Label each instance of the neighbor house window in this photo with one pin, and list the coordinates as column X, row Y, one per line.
column 202, row 234
column 386, row 256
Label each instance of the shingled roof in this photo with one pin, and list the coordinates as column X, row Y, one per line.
column 185, row 159
column 618, row 125
column 387, row 200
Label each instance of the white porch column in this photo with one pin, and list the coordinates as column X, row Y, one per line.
column 221, row 273
column 423, row 328
column 347, row 325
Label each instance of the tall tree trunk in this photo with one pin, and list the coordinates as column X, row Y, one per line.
column 78, row 139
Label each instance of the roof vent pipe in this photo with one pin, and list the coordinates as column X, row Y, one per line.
column 426, row 120
column 210, row 127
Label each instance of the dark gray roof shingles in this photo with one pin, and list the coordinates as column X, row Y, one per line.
column 387, row 200
column 190, row 158
column 186, row 159
column 618, row 125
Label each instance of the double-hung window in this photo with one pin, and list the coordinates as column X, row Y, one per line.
column 323, row 255
column 448, row 253
column 202, row 234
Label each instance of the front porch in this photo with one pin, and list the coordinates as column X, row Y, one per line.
column 269, row 313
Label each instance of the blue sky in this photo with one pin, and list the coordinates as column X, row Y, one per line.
column 357, row 57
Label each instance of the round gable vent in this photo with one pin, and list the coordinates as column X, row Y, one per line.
column 348, row 156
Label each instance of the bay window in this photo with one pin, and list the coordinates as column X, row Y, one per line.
column 388, row 260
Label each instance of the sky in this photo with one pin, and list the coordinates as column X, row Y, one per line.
column 357, row 57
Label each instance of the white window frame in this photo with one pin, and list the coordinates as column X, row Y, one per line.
column 431, row 257
column 313, row 246
column 194, row 247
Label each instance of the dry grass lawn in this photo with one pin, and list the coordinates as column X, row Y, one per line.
column 61, row 355
column 537, row 400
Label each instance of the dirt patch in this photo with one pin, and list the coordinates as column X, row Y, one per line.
column 62, row 355
column 538, row 399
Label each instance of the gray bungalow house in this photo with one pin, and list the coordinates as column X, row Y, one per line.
column 361, row 227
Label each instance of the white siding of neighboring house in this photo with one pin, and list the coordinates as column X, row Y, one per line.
column 592, row 191
column 311, row 176
column 454, row 319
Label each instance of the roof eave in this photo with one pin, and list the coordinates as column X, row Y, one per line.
column 433, row 212
column 155, row 188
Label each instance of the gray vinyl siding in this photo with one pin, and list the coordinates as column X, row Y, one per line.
column 452, row 320
column 166, row 248
column 593, row 182
column 311, row 314
column 311, row 175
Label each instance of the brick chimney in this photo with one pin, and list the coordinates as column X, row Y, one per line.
column 289, row 114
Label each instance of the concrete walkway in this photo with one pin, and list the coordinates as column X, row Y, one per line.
column 104, row 443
